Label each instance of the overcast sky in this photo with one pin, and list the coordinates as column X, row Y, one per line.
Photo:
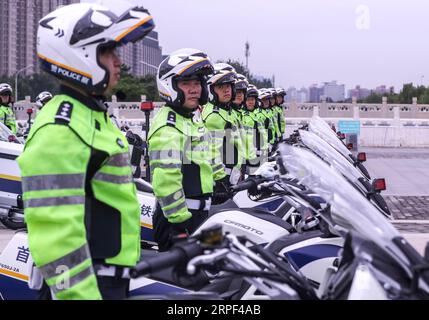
column 305, row 41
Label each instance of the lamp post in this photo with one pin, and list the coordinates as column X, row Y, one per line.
column 147, row 107
column 148, row 64
column 16, row 81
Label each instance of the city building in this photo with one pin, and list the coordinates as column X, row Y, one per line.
column 334, row 91
column 302, row 95
column 359, row 93
column 19, row 21
column 315, row 93
column 291, row 94
column 384, row 90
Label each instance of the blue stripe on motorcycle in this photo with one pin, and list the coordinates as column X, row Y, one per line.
column 156, row 288
column 272, row 205
column 302, row 256
column 13, row 289
column 10, row 186
column 146, row 234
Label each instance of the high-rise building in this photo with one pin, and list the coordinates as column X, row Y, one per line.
column 19, row 21
column 315, row 93
column 290, row 94
column 302, row 95
column 334, row 91
column 359, row 93
column 382, row 90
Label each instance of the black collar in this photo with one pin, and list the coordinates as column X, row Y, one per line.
column 224, row 106
column 183, row 112
column 236, row 107
column 93, row 103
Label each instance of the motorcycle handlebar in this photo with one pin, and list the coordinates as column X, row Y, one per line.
column 245, row 185
column 178, row 254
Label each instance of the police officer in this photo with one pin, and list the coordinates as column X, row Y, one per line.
column 241, row 84
column 226, row 140
column 246, row 128
column 181, row 167
column 280, row 111
column 265, row 116
column 43, row 98
column 257, row 142
column 7, row 116
column 273, row 112
column 80, row 202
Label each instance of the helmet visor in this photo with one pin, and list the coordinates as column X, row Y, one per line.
column 136, row 32
column 201, row 67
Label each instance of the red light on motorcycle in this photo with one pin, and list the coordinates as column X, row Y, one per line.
column 379, row 185
column 350, row 146
column 29, row 111
column 147, row 106
column 361, row 156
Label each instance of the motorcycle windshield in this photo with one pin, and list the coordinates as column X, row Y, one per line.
column 318, row 126
column 4, row 133
column 350, row 210
column 330, row 155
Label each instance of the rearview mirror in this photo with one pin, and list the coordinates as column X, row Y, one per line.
column 361, row 156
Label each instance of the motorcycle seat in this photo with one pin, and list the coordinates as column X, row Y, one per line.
column 257, row 213
column 143, row 186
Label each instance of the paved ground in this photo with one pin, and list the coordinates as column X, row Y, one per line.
column 407, row 176
column 406, row 170
column 409, row 207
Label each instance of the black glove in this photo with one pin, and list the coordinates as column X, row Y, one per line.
column 222, row 185
column 180, row 231
column 221, row 191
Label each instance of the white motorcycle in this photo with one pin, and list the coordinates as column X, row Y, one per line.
column 376, row 261
column 11, row 205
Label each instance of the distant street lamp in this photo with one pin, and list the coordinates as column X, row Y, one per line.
column 148, row 64
column 16, row 81
column 247, row 55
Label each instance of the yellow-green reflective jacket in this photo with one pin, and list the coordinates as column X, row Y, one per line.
column 79, row 196
column 7, row 117
column 180, row 161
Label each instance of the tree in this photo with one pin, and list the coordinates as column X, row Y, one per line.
column 406, row 95
column 372, row 98
column 424, row 97
column 240, row 68
column 131, row 88
column 32, row 85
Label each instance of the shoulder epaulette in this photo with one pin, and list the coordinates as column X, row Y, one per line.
column 64, row 113
column 171, row 119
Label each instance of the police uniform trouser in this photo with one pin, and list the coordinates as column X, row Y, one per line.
column 163, row 230
column 111, row 288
